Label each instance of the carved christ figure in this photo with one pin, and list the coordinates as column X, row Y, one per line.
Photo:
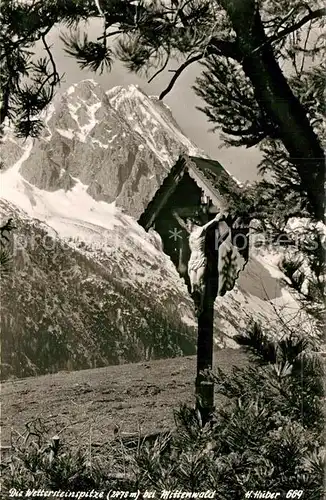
column 198, row 260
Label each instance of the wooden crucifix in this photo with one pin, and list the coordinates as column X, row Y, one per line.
column 204, row 240
column 189, row 198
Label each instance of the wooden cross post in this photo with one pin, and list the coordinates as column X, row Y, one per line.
column 204, row 387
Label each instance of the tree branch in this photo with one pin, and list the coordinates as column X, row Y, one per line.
column 223, row 48
column 160, row 70
column 290, row 29
column 55, row 75
column 4, row 105
column 178, row 73
column 113, row 33
column 216, row 47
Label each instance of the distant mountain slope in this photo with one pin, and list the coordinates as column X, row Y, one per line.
column 89, row 286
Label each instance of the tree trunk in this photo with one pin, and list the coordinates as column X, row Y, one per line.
column 276, row 97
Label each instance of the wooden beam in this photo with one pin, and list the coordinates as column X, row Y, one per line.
column 204, row 387
column 204, row 184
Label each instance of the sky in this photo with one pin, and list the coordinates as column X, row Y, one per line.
column 182, row 100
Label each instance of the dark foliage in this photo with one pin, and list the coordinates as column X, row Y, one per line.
column 6, row 247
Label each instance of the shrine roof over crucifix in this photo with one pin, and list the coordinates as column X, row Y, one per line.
column 207, row 174
column 196, row 190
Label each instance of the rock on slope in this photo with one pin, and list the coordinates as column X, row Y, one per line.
column 90, row 287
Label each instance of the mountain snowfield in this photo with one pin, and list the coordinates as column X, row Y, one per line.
column 90, row 286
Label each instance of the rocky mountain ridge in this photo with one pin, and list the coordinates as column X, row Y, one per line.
column 119, row 143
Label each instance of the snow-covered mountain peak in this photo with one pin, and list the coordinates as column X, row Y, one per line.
column 129, row 93
column 83, row 85
column 150, row 117
column 119, row 143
